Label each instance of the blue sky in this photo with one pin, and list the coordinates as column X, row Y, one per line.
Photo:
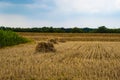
column 60, row 13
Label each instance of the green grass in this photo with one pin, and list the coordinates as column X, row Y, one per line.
column 10, row 38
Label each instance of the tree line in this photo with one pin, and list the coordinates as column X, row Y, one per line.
column 101, row 29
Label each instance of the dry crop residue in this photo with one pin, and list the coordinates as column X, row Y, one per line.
column 72, row 61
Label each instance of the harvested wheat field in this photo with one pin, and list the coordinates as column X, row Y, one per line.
column 72, row 61
column 72, row 36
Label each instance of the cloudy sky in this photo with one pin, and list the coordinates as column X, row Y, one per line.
column 60, row 13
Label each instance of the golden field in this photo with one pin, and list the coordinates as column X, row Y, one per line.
column 73, row 36
column 82, row 57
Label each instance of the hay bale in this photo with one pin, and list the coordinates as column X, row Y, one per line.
column 45, row 47
column 54, row 41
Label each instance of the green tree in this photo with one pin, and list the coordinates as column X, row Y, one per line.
column 76, row 30
column 102, row 29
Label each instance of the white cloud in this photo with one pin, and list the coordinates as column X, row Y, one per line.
column 74, row 6
column 20, row 21
column 88, row 6
column 117, row 4
column 90, row 22
column 69, row 7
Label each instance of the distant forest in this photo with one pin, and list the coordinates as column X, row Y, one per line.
column 101, row 29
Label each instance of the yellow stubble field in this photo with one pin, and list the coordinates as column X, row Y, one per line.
column 81, row 57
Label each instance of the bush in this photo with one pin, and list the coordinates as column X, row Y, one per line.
column 9, row 38
column 45, row 47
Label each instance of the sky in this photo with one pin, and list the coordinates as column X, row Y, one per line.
column 60, row 13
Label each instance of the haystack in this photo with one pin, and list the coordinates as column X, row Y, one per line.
column 45, row 47
column 54, row 41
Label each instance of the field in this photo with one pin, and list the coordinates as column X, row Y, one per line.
column 73, row 36
column 81, row 57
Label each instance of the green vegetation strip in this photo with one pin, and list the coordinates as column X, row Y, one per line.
column 9, row 38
